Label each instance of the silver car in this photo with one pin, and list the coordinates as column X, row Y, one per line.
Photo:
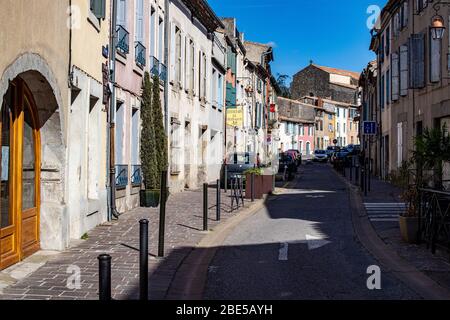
column 320, row 156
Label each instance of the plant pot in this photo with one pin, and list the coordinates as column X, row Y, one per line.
column 150, row 198
column 409, row 228
column 259, row 187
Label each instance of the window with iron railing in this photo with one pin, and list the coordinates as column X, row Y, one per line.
column 123, row 40
column 162, row 72
column 140, row 53
column 154, row 66
column 121, row 176
column 136, row 176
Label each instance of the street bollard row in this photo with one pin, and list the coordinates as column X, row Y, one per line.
column 105, row 267
column 205, row 203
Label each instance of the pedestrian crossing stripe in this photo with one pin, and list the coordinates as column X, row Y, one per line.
column 384, row 212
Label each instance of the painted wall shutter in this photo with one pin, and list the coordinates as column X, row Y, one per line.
column 183, row 60
column 395, row 76
column 122, row 13
column 405, row 14
column 172, row 58
column 98, row 8
column 139, row 21
column 404, row 70
column 435, row 59
column 417, row 61
column 229, row 94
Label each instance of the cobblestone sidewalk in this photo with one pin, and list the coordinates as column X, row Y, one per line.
column 120, row 239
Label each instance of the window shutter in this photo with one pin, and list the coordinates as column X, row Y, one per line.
column 417, row 61
column 395, row 76
column 183, row 61
column 404, row 70
column 121, row 13
column 98, row 8
column 139, row 21
column 435, row 59
column 172, row 53
column 405, row 14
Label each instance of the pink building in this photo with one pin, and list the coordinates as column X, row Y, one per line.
column 306, row 139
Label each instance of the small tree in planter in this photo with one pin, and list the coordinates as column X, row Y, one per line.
column 160, row 133
column 150, row 195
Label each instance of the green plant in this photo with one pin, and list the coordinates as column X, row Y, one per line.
column 400, row 177
column 255, row 171
column 411, row 197
column 148, row 155
column 159, row 131
column 85, row 236
column 432, row 149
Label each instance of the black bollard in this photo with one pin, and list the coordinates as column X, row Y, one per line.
column 104, row 274
column 253, row 186
column 162, row 214
column 205, row 207
column 143, row 259
column 218, row 201
column 226, row 178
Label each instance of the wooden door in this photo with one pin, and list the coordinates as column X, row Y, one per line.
column 20, row 172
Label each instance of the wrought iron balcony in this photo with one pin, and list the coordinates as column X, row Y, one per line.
column 121, row 176
column 162, row 72
column 154, row 66
column 123, row 40
column 140, row 54
column 136, row 177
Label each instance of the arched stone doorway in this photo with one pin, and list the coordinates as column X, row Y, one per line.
column 32, row 161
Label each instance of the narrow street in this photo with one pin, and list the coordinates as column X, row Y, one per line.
column 300, row 246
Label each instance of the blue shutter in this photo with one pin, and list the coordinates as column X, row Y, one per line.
column 98, row 8
column 417, row 61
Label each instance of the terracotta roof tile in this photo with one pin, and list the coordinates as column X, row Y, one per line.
column 354, row 75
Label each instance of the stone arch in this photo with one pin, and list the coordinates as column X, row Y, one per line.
column 39, row 78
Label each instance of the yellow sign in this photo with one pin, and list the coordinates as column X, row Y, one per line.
column 235, row 117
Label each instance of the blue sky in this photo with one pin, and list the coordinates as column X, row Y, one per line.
column 332, row 33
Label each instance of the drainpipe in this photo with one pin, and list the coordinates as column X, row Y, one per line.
column 112, row 211
column 167, row 63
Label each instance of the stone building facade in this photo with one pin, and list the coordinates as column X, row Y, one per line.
column 324, row 82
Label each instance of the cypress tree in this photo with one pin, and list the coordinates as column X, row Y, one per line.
column 160, row 134
column 148, row 155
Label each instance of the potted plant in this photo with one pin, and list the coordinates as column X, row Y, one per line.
column 409, row 220
column 258, row 183
column 150, row 195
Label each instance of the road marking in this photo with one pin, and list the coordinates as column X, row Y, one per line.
column 315, row 242
column 385, row 212
column 383, row 220
column 283, row 253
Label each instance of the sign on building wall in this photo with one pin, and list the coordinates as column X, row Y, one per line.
column 235, row 117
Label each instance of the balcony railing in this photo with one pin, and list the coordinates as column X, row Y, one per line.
column 136, row 177
column 123, row 40
column 162, row 72
column 154, row 66
column 121, row 176
column 140, row 54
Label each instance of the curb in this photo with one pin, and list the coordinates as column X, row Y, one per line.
column 191, row 276
column 408, row 274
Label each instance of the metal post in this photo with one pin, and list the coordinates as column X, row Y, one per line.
column 205, row 207
column 104, row 275
column 218, row 201
column 226, row 178
column 370, row 167
column 162, row 214
column 253, row 186
column 143, row 259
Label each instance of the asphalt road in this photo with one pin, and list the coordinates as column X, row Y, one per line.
column 301, row 246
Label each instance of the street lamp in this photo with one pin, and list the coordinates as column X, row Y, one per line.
column 437, row 22
column 437, row 27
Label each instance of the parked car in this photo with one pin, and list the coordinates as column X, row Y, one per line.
column 320, row 156
column 297, row 156
column 237, row 164
column 330, row 150
column 287, row 165
column 340, row 157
